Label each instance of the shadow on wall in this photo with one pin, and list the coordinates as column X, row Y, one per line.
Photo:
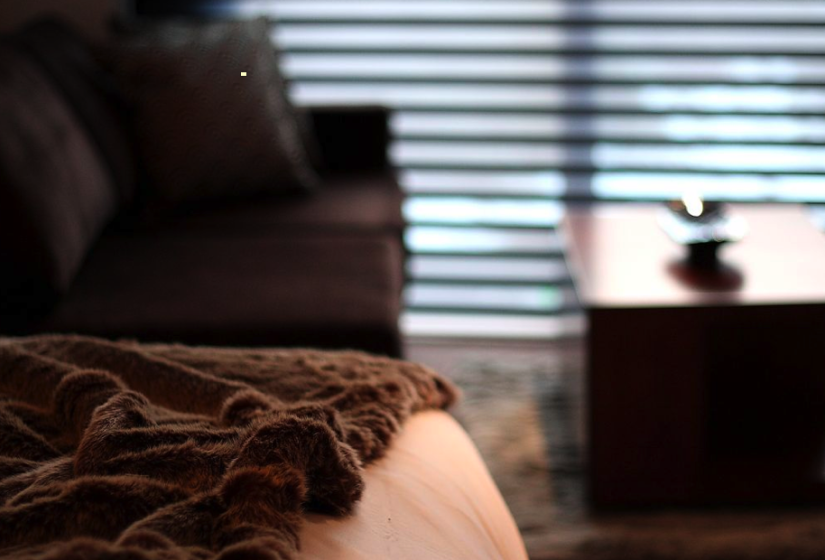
column 91, row 16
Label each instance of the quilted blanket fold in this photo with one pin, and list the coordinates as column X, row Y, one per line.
column 118, row 450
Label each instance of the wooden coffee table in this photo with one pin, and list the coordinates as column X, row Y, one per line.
column 702, row 389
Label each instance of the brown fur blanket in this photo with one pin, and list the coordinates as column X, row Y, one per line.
column 127, row 451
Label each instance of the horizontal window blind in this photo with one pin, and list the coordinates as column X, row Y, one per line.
column 504, row 110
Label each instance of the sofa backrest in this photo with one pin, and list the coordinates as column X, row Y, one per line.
column 65, row 166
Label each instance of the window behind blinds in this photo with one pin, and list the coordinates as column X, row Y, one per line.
column 506, row 109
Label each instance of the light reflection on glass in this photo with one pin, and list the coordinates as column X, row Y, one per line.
column 533, row 37
column 539, row 213
column 667, row 127
column 720, row 99
column 522, row 10
column 487, row 268
column 426, row 239
column 666, row 186
column 817, row 215
column 394, row 9
column 606, row 155
column 525, row 183
column 538, row 298
column 787, row 129
column 411, row 153
column 755, row 158
column 655, row 98
column 764, row 69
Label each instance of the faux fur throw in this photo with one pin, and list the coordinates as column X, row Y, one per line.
column 127, row 451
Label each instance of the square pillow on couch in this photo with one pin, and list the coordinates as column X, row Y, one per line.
column 205, row 130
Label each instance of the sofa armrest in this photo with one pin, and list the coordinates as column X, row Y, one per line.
column 351, row 138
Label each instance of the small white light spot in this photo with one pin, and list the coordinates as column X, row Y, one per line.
column 243, row 73
column 693, row 204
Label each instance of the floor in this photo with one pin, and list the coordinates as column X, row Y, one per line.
column 533, row 386
column 522, row 405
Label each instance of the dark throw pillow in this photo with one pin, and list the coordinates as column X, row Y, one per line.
column 205, row 130
column 56, row 192
column 92, row 93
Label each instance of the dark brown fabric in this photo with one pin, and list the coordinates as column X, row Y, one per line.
column 329, row 291
column 91, row 93
column 116, row 450
column 55, row 191
column 351, row 138
column 204, row 130
column 344, row 202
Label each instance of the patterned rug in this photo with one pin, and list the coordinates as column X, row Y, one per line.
column 522, row 406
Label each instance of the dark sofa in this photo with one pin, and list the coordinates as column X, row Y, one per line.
column 322, row 270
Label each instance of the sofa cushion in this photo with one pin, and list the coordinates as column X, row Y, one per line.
column 55, row 190
column 90, row 90
column 327, row 291
column 204, row 130
column 353, row 202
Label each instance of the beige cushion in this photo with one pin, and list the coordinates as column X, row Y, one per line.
column 430, row 497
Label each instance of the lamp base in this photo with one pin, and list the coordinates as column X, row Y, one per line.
column 704, row 256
